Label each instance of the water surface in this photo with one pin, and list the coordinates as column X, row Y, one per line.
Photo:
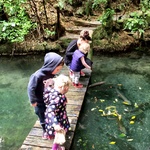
column 94, row 131
column 16, row 115
column 100, row 132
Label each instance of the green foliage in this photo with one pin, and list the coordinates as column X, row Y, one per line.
column 136, row 23
column 139, row 21
column 107, row 22
column 48, row 32
column 18, row 24
column 88, row 7
column 97, row 3
column 62, row 3
column 145, row 5
column 107, row 17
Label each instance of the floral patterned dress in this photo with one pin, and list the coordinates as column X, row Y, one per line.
column 56, row 111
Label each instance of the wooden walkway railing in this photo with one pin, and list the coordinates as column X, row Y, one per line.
column 75, row 98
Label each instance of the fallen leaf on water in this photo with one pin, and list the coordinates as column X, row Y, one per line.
column 100, row 110
column 113, row 142
column 126, row 103
column 122, row 135
column 93, row 109
column 116, row 100
column 131, row 122
column 102, row 100
column 93, row 147
column 136, row 105
column 129, row 140
column 114, row 114
column 133, row 117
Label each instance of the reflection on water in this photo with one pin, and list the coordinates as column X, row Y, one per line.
column 94, row 130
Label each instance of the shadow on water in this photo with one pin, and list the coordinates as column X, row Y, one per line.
column 115, row 115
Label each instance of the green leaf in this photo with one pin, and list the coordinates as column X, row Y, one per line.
column 122, row 135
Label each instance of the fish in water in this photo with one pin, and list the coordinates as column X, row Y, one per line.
column 97, row 84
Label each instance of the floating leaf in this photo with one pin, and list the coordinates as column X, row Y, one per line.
column 129, row 140
column 103, row 114
column 133, row 117
column 113, row 142
column 119, row 84
column 131, row 122
column 93, row 109
column 119, row 117
column 122, row 135
column 116, row 99
column 114, row 114
column 126, row 103
column 110, row 107
column 93, row 147
column 126, row 110
column 136, row 105
column 102, row 100
column 109, row 112
column 100, row 110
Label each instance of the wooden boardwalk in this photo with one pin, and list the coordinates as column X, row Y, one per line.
column 75, row 98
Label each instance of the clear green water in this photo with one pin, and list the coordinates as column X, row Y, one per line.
column 16, row 115
column 94, row 132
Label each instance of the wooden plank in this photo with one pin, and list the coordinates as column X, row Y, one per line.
column 36, row 132
column 47, row 143
column 29, row 147
column 72, row 120
column 36, row 141
column 75, row 98
column 67, row 145
column 73, row 108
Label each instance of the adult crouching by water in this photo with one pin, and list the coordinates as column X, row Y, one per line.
column 85, row 37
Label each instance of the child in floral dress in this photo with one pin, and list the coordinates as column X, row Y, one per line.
column 55, row 114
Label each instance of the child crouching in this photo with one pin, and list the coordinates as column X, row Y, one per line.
column 78, row 63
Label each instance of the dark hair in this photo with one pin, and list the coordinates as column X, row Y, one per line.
column 86, row 36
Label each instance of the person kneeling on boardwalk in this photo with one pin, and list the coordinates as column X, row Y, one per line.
column 85, row 37
column 57, row 122
column 78, row 63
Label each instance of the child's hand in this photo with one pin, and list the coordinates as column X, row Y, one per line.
column 90, row 68
column 34, row 104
